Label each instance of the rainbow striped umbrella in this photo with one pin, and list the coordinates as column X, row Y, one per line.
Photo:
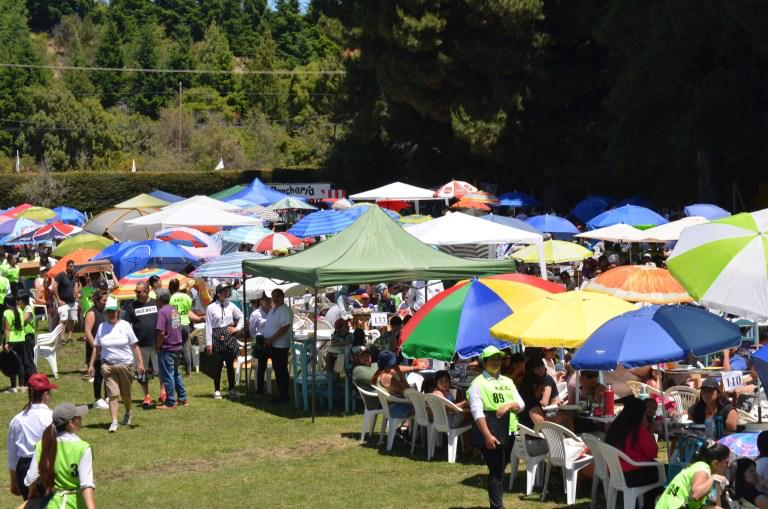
column 126, row 287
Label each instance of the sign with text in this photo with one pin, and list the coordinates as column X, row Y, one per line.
column 314, row 191
column 732, row 380
column 378, row 320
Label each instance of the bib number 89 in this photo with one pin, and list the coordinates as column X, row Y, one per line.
column 497, row 397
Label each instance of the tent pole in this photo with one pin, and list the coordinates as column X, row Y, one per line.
column 247, row 336
column 313, row 360
column 416, row 203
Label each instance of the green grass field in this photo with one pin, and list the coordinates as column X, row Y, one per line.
column 250, row 453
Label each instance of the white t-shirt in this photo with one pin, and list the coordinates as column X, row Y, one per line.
column 115, row 342
column 277, row 318
column 25, row 430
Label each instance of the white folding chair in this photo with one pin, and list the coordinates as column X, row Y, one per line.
column 683, row 396
column 370, row 414
column 46, row 346
column 520, row 452
column 618, row 482
column 639, row 388
column 420, row 417
column 392, row 423
column 441, row 424
column 555, row 436
column 601, row 470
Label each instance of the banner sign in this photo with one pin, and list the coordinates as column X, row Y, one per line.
column 314, row 191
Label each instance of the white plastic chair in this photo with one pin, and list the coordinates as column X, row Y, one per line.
column 555, row 436
column 420, row 417
column 683, row 396
column 392, row 423
column 37, row 306
column 441, row 424
column 747, row 417
column 416, row 379
column 242, row 360
column 639, row 388
column 601, row 470
column 196, row 336
column 520, row 452
column 370, row 415
column 46, row 346
column 618, row 482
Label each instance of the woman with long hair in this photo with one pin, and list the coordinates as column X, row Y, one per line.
column 26, row 429
column 745, row 483
column 24, row 304
column 712, row 403
column 690, row 487
column 62, row 469
column 222, row 321
column 14, row 340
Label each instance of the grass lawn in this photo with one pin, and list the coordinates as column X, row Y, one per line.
column 252, row 454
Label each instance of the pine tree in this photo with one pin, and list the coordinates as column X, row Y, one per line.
column 212, row 53
column 263, row 91
column 109, row 53
column 149, row 91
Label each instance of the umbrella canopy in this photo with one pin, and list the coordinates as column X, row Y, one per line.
column 359, row 209
column 742, row 445
column 81, row 241
column 126, row 287
column 656, row 334
column 203, row 202
column 706, row 210
column 723, row 264
column 257, row 193
column 245, row 234
column 591, row 206
column 15, row 227
column 169, row 197
column 518, row 199
column 110, row 250
column 12, row 212
column 482, row 197
column 79, row 256
column 150, row 253
column 142, row 201
column 555, row 251
column 225, row 266
column 194, row 241
column 322, row 222
column 457, row 320
column 342, row 204
column 551, row 223
column 628, row 214
column 192, row 215
column 511, row 221
column 70, row 216
column 46, row 233
column 275, row 241
column 290, row 203
column 561, row 320
column 39, row 214
column 112, row 221
column 414, row 219
column 471, row 204
column 395, row 191
column 538, row 282
column 263, row 213
column 455, row 189
column 671, row 231
column 460, row 228
column 640, row 283
column 615, row 233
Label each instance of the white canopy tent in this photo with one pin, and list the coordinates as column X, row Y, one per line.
column 619, row 232
column 671, row 231
column 202, row 201
column 396, row 191
column 191, row 215
column 457, row 228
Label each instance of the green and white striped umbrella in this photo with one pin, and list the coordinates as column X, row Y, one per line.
column 723, row 264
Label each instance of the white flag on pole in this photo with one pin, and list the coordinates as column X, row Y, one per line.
column 18, row 162
column 219, row 166
column 133, row 165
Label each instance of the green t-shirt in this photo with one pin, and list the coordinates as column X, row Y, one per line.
column 5, row 287
column 12, row 273
column 66, row 477
column 85, row 299
column 677, row 494
column 496, row 392
column 183, row 305
column 30, row 328
column 17, row 335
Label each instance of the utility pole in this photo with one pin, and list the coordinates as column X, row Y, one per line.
column 180, row 104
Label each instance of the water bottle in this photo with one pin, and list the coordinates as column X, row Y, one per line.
column 718, row 427
column 608, row 397
column 709, row 429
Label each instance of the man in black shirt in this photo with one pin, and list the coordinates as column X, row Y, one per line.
column 65, row 292
column 142, row 315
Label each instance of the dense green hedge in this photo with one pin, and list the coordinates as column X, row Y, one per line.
column 96, row 191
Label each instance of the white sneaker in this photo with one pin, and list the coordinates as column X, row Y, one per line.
column 216, row 394
column 127, row 419
column 233, row 394
column 100, row 404
column 113, row 427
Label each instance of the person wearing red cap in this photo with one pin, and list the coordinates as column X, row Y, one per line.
column 26, row 429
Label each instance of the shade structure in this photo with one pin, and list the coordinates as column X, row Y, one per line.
column 14, row 211
column 518, row 199
column 15, row 227
column 290, row 203
column 70, row 215
column 255, row 287
column 263, row 213
column 591, row 206
column 656, row 334
column 560, row 320
column 414, row 219
column 322, row 222
column 511, row 221
column 538, row 282
column 109, row 251
column 257, row 193
column 672, row 230
column 169, row 197
column 760, row 358
column 277, row 241
column 482, row 197
column 555, row 251
column 229, row 265
column 454, row 189
column 79, row 256
column 82, row 241
column 457, row 320
column 192, row 216
column 126, row 286
column 228, row 192
column 194, row 241
column 112, row 222
column 628, row 214
column 374, row 248
column 39, row 214
column 395, row 191
column 342, row 204
column 723, row 264
column 151, row 253
column 551, row 223
column 464, row 203
column 640, row 283
column 45, row 233
column 359, row 209
column 142, row 201
column 245, row 234
column 202, row 201
column 615, row 233
column 706, row 210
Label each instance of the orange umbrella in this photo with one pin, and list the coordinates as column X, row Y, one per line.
column 481, row 196
column 471, row 204
column 640, row 283
column 79, row 257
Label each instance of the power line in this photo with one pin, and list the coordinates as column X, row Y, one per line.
column 173, row 71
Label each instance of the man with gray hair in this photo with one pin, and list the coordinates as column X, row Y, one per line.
column 168, row 345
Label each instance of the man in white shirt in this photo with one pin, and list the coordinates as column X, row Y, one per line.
column 278, row 333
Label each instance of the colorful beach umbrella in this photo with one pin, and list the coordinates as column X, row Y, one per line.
column 39, row 214
column 82, row 241
column 126, row 286
column 555, row 251
column 550, row 223
column 633, row 215
column 13, row 212
column 538, row 282
column 79, row 256
column 245, row 234
column 640, row 283
column 275, row 241
column 70, row 216
column 192, row 240
column 15, row 227
column 46, row 233
column 455, row 189
column 322, row 222
column 150, row 253
column 706, row 210
column 742, row 445
column 414, row 219
column 723, row 264
column 457, row 320
column 560, row 320
column 229, row 265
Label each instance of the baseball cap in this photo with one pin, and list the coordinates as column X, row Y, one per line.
column 490, row 351
column 222, row 286
column 65, row 412
column 111, row 304
column 39, row 383
column 364, row 296
column 387, row 359
column 711, row 383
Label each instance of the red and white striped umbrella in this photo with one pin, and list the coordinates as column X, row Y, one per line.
column 276, row 241
column 52, row 231
column 455, row 189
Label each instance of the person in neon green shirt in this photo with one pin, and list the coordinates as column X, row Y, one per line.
column 182, row 302
column 495, row 403
column 689, row 488
column 14, row 339
column 69, row 457
column 11, row 271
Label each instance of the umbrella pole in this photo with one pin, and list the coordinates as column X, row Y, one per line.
column 313, row 344
column 246, row 312
column 664, row 415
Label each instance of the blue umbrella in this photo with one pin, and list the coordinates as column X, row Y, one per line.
column 591, row 206
column 69, row 215
column 359, row 210
column 511, row 221
column 518, row 199
column 551, row 223
column 760, row 359
column 322, row 222
column 150, row 253
column 628, row 214
column 706, row 210
column 633, row 200
column 162, row 195
column 656, row 334
column 228, row 265
column 245, row 234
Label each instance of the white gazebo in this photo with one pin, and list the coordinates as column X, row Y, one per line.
column 671, row 231
column 396, row 191
column 192, row 215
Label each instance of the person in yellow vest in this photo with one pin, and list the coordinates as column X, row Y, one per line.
column 62, row 468
column 15, row 340
column 691, row 487
column 11, row 271
column 495, row 403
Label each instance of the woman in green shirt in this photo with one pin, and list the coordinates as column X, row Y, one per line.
column 15, row 339
column 689, row 488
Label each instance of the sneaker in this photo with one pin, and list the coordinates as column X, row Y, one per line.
column 100, row 404
column 147, row 402
column 233, row 394
column 184, row 403
column 113, row 427
column 216, row 394
column 127, row 418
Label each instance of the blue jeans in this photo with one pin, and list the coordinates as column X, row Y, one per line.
column 169, row 374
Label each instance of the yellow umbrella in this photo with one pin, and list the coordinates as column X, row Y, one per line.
column 560, row 320
column 40, row 214
column 555, row 251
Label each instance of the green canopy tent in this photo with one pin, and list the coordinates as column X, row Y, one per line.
column 373, row 249
column 226, row 193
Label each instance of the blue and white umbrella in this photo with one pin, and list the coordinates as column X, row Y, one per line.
column 322, row 222
column 245, row 234
column 226, row 266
